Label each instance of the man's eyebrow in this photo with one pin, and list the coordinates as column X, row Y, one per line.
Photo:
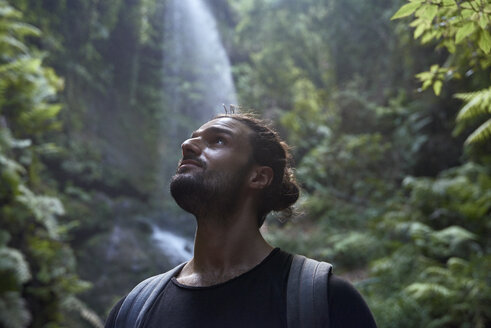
column 212, row 129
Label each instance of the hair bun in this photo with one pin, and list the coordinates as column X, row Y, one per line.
column 289, row 195
column 289, row 192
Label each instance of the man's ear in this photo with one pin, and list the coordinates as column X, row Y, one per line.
column 261, row 177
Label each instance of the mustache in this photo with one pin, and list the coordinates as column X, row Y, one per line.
column 196, row 159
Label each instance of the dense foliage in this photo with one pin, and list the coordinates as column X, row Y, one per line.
column 37, row 266
column 438, row 257
column 388, row 196
column 378, row 111
column 462, row 27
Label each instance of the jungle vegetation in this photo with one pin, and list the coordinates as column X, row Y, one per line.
column 387, row 105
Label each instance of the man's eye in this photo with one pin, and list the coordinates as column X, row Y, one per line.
column 219, row 141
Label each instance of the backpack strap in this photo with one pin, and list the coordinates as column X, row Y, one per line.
column 307, row 294
column 141, row 298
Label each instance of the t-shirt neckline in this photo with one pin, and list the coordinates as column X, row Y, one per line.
column 253, row 269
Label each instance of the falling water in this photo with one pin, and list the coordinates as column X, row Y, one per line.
column 197, row 83
column 177, row 248
column 199, row 77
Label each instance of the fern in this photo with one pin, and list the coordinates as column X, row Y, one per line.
column 481, row 134
column 13, row 264
column 426, row 291
column 13, row 311
column 44, row 208
column 438, row 260
column 477, row 104
column 73, row 304
column 37, row 268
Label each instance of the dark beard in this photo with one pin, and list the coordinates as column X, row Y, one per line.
column 208, row 193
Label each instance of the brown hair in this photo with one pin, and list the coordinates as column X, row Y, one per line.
column 269, row 150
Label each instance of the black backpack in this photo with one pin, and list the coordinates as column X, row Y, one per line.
column 307, row 295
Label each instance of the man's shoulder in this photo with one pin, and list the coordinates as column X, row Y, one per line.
column 141, row 296
column 306, row 268
column 347, row 306
column 111, row 318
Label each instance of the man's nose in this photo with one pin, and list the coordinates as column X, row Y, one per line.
column 191, row 147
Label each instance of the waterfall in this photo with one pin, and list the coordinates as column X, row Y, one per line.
column 197, row 80
column 198, row 73
column 177, row 248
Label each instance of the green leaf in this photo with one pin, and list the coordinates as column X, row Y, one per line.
column 24, row 29
column 485, row 41
column 424, row 76
column 448, row 3
column 5, row 39
column 14, row 310
column 428, row 290
column 417, row 21
column 44, row 208
column 454, row 235
column 429, row 12
column 477, row 103
column 427, row 37
column 464, row 31
column 13, row 261
column 406, row 10
column 482, row 133
column 455, row 264
column 426, row 84
column 466, row 13
column 11, row 165
column 450, row 45
column 483, row 21
column 437, row 87
column 419, row 30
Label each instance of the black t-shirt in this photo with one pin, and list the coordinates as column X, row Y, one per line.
column 256, row 298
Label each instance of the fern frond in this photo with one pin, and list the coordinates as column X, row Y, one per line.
column 477, row 103
column 8, row 12
column 76, row 305
column 45, row 209
column 421, row 291
column 11, row 260
column 436, row 272
column 454, row 234
column 482, row 133
column 10, row 165
column 14, row 312
column 23, row 29
column 456, row 264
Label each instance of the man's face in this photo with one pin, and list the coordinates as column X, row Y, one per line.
column 214, row 166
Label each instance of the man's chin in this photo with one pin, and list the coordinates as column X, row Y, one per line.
column 182, row 180
column 184, row 188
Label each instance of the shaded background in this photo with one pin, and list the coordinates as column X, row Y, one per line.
column 96, row 97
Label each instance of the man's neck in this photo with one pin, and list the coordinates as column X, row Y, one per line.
column 223, row 249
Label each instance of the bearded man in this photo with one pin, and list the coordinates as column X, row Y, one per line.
column 233, row 172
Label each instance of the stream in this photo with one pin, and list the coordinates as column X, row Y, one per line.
column 176, row 248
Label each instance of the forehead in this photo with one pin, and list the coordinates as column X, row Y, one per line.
column 227, row 125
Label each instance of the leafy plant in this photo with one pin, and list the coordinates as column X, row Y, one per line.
column 477, row 105
column 37, row 267
column 441, row 230
column 463, row 29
